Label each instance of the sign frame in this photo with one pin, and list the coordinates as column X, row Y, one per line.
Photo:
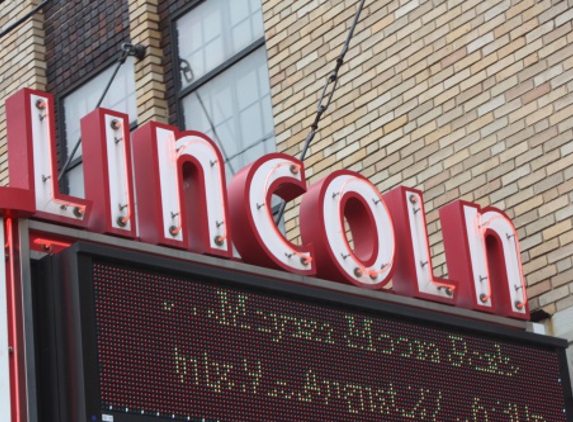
column 76, row 261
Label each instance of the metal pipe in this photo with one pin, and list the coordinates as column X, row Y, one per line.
column 22, row 19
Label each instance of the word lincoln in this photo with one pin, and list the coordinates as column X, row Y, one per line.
column 183, row 202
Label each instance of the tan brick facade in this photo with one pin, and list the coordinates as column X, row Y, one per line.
column 469, row 100
column 149, row 81
column 22, row 62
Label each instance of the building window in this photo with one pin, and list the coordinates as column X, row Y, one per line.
column 82, row 101
column 224, row 80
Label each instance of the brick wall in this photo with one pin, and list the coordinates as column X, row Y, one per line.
column 167, row 10
column 21, row 62
column 149, row 72
column 460, row 99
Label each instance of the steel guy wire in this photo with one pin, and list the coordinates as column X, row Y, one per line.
column 322, row 106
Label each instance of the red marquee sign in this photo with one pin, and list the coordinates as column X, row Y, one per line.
column 166, row 187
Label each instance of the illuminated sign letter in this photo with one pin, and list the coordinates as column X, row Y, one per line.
column 414, row 274
column 348, row 195
column 107, row 173
column 482, row 252
column 349, row 231
column 250, row 194
column 180, row 186
column 32, row 158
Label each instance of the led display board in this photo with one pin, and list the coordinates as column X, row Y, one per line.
column 130, row 337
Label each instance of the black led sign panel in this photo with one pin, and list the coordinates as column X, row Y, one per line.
column 163, row 340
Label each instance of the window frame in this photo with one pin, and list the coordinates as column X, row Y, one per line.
column 62, row 136
column 181, row 93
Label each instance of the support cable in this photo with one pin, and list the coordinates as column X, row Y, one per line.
column 212, row 126
column 127, row 50
column 322, row 107
column 189, row 76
